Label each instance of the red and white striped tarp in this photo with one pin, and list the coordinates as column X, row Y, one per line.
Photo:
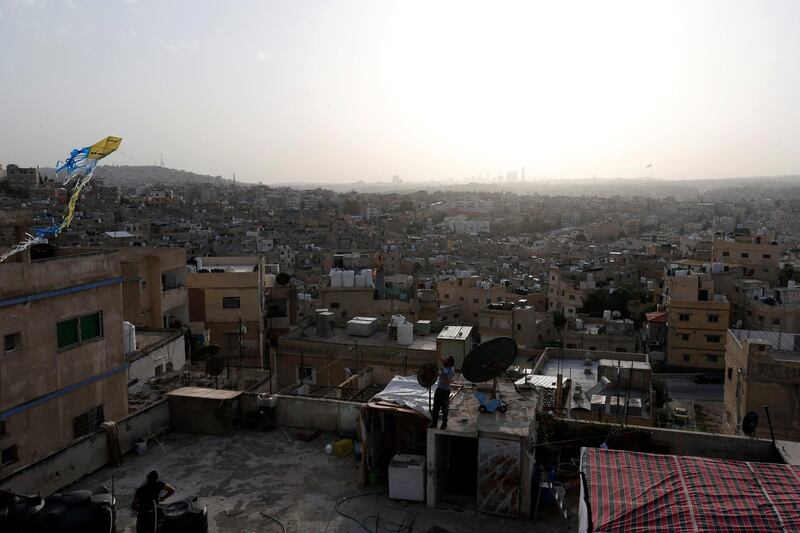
column 631, row 492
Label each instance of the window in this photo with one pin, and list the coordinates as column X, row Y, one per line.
column 3, row 428
column 9, row 455
column 571, row 296
column 730, row 374
column 474, row 300
column 12, row 342
column 446, row 296
column 683, row 317
column 488, row 300
column 776, row 321
column 767, row 256
column 726, row 254
column 519, row 327
column 71, row 333
column 88, row 422
column 713, row 318
column 713, row 338
column 474, row 315
column 684, row 336
column 306, row 374
column 230, row 302
column 686, row 357
column 745, row 255
column 460, row 298
column 711, row 358
column 334, row 305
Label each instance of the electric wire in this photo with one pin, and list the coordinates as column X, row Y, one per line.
column 283, row 526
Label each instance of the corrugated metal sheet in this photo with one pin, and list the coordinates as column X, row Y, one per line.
column 455, row 333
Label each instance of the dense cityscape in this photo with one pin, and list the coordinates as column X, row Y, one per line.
column 363, row 266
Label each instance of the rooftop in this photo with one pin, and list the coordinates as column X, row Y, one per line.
column 379, row 338
column 238, row 478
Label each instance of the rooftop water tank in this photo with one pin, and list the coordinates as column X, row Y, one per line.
column 336, row 278
column 128, row 338
column 405, row 333
column 348, row 278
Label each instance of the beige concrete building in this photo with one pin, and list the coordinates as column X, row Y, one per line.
column 154, row 286
column 758, row 307
column 515, row 319
column 304, row 358
column 568, row 286
column 763, row 368
column 62, row 369
column 760, row 254
column 472, row 293
column 613, row 335
column 225, row 294
column 697, row 320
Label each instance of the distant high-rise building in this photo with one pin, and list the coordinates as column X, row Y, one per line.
column 511, row 176
column 396, row 180
column 522, row 174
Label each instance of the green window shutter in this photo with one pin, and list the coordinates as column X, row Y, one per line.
column 91, row 327
column 67, row 333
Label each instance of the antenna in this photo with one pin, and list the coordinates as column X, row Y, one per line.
column 162, row 160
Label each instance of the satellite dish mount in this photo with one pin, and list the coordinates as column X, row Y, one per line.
column 488, row 361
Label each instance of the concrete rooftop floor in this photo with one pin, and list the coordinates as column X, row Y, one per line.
column 238, row 477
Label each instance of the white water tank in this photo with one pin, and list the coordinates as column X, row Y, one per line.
column 366, row 273
column 348, row 278
column 578, row 324
column 269, row 280
column 336, row 278
column 359, row 280
column 128, row 338
column 405, row 333
column 607, row 315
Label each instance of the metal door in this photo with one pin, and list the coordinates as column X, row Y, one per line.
column 499, row 475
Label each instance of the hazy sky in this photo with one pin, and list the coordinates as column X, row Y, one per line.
column 346, row 90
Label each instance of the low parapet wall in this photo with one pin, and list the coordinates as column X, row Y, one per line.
column 86, row 455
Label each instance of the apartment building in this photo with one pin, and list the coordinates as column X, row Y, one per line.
column 22, row 180
column 62, row 368
column 472, row 293
column 763, row 368
column 226, row 297
column 154, row 287
column 568, row 286
column 759, row 253
column 515, row 319
column 697, row 320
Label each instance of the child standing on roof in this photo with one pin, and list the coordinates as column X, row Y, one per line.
column 441, row 398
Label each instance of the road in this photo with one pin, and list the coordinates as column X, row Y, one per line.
column 683, row 387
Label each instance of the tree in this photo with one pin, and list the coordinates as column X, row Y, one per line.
column 406, row 205
column 351, row 207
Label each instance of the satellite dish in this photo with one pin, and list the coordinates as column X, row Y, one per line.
column 426, row 377
column 749, row 423
column 205, row 352
column 283, row 278
column 489, row 360
column 214, row 366
column 486, row 362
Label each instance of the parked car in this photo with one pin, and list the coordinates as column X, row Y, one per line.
column 680, row 413
column 708, row 378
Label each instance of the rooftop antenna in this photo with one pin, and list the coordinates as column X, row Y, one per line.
column 162, row 160
column 486, row 362
column 234, row 178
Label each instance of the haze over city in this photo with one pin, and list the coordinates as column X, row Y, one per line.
column 342, row 91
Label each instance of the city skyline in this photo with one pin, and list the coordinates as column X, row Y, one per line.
column 347, row 91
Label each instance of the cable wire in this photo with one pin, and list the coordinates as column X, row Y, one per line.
column 283, row 526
